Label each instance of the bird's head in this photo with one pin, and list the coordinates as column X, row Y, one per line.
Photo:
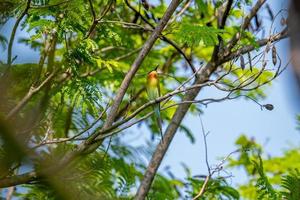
column 152, row 75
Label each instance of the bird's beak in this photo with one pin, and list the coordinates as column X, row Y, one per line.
column 156, row 67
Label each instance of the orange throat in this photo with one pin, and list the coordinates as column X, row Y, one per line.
column 152, row 78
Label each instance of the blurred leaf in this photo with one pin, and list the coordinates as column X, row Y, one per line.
column 195, row 34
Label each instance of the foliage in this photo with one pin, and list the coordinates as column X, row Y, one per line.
column 272, row 178
column 217, row 188
column 194, row 34
column 291, row 182
column 264, row 188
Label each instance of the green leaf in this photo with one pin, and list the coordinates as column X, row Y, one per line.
column 3, row 41
column 40, row 24
column 202, row 6
column 264, row 189
column 194, row 35
column 291, row 184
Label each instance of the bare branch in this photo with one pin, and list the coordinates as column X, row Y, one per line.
column 96, row 20
column 218, row 168
column 225, row 14
column 205, row 145
column 245, row 25
column 183, row 9
column 62, row 140
column 13, row 33
column 273, row 38
column 50, row 5
column 32, row 91
column 10, row 192
column 18, row 179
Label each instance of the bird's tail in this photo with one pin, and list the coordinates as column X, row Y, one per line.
column 158, row 119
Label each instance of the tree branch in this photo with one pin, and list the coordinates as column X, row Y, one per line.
column 95, row 20
column 10, row 193
column 245, row 24
column 32, row 91
column 218, row 168
column 13, row 33
column 273, row 38
column 18, row 179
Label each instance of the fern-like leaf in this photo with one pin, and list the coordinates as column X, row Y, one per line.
column 195, row 34
column 263, row 187
column 291, row 183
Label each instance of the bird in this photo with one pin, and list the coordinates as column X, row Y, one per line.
column 153, row 91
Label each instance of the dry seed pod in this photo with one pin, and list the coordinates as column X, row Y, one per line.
column 250, row 61
column 283, row 21
column 257, row 22
column 264, row 64
column 270, row 12
column 269, row 106
column 274, row 55
column 242, row 61
column 268, row 48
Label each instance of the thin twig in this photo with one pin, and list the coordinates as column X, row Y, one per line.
column 201, row 192
column 95, row 19
column 246, row 23
column 13, row 33
column 62, row 140
column 184, row 8
column 205, row 145
column 32, row 91
column 10, row 193
column 49, row 5
column 218, row 168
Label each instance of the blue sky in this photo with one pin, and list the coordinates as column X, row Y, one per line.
column 226, row 120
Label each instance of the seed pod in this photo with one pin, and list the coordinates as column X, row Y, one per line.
column 269, row 106
column 250, row 61
column 242, row 61
column 270, row 12
column 257, row 22
column 274, row 55
column 264, row 63
column 283, row 21
column 268, row 48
